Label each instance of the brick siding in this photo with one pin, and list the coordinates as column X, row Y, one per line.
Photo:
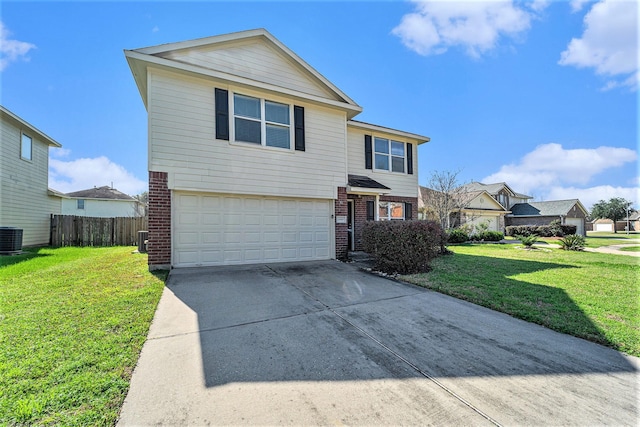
column 342, row 235
column 159, row 243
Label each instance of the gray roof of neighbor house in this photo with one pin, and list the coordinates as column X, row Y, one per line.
column 550, row 208
column 104, row 192
column 492, row 188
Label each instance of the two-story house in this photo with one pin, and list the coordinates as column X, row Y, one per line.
column 25, row 201
column 254, row 156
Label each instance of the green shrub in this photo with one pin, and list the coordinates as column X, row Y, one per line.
column 556, row 228
column 457, row 235
column 487, row 236
column 403, row 247
column 568, row 229
column 572, row 242
column 527, row 241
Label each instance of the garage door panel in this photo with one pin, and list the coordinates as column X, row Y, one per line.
column 215, row 229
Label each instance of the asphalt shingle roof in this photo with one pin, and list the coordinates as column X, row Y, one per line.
column 104, row 192
column 365, row 182
column 551, row 208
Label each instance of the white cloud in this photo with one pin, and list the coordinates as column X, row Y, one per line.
column 12, row 50
column 590, row 196
column 435, row 26
column 550, row 164
column 59, row 152
column 609, row 43
column 155, row 29
column 81, row 174
column 577, row 5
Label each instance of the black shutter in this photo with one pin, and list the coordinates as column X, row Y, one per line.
column 368, row 152
column 408, row 211
column 222, row 114
column 298, row 121
column 371, row 210
column 410, row 159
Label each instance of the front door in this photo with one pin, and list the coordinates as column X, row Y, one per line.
column 350, row 223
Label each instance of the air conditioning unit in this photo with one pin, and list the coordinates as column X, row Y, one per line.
column 10, row 240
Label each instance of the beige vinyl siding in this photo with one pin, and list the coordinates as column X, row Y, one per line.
column 182, row 142
column 24, row 202
column 401, row 184
column 484, row 201
column 253, row 60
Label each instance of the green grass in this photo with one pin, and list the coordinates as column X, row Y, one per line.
column 72, row 324
column 589, row 295
column 631, row 249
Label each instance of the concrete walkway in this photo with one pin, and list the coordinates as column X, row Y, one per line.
column 324, row 343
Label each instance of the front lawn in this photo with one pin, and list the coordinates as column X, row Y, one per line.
column 586, row 294
column 72, row 324
column 631, row 249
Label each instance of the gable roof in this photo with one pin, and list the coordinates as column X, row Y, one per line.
column 163, row 56
column 104, row 192
column 493, row 188
column 549, row 208
column 464, row 198
column 5, row 113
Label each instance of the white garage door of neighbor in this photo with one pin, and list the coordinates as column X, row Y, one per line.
column 578, row 223
column 603, row 227
column 211, row 229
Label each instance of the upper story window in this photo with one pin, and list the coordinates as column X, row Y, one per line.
column 80, row 203
column 259, row 121
column 26, row 147
column 389, row 155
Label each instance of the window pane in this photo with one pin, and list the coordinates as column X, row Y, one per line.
column 246, row 106
column 397, row 164
column 382, row 145
column 396, row 210
column 382, row 161
column 247, row 131
column 278, row 113
column 25, row 151
column 277, row 136
column 80, row 203
column 397, row 148
column 383, row 212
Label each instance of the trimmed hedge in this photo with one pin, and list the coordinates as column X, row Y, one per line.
column 540, row 230
column 403, row 247
column 488, row 236
column 457, row 235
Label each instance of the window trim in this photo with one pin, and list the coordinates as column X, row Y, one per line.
column 389, row 155
column 22, row 137
column 263, row 122
column 80, row 202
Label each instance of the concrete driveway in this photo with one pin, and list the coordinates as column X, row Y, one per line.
column 323, row 343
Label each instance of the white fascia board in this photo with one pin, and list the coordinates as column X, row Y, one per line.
column 244, row 35
column 167, row 64
column 361, row 190
column 420, row 139
column 32, row 129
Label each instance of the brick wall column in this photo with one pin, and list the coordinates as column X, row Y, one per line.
column 159, row 243
column 342, row 235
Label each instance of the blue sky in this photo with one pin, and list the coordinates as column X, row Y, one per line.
column 542, row 95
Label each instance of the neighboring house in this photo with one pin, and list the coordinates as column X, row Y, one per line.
column 498, row 206
column 605, row 224
column 254, row 156
column 472, row 207
column 24, row 166
column 102, row 202
column 569, row 212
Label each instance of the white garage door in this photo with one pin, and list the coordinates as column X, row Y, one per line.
column 603, row 227
column 578, row 222
column 211, row 229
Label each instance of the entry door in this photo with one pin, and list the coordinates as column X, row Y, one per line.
column 350, row 222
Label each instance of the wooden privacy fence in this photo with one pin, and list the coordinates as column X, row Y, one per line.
column 71, row 230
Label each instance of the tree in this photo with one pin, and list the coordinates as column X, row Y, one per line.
column 444, row 196
column 615, row 209
column 141, row 207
